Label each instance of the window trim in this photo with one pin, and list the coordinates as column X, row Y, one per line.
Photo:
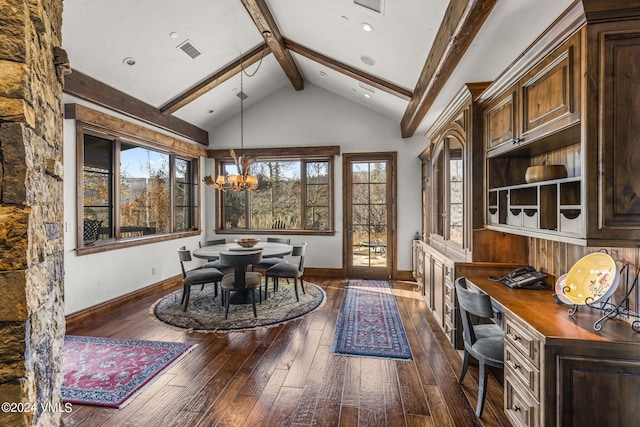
column 303, row 154
column 84, row 128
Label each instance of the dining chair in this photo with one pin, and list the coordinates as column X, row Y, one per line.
column 288, row 270
column 196, row 277
column 216, row 263
column 485, row 342
column 271, row 261
column 240, row 280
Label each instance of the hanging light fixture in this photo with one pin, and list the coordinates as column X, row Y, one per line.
column 243, row 181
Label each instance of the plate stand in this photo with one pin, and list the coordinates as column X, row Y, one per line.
column 622, row 310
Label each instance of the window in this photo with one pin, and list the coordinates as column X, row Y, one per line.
column 299, row 198
column 131, row 190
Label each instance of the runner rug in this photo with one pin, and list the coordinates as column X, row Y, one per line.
column 370, row 323
column 112, row 372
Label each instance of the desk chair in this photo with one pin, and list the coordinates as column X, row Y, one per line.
column 240, row 280
column 485, row 342
column 196, row 277
column 288, row 270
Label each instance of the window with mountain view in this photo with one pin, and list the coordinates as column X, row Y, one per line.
column 150, row 192
column 298, row 197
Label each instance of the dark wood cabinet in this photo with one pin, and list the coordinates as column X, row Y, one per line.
column 571, row 98
column 550, row 92
column 542, row 102
column 500, row 120
column 558, row 370
column 453, row 213
column 613, row 130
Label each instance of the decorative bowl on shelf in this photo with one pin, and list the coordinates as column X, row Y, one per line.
column 544, row 173
column 592, row 279
column 247, row 242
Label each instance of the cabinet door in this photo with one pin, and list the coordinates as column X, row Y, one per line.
column 615, row 161
column 589, row 384
column 500, row 120
column 551, row 92
column 438, row 291
column 428, row 280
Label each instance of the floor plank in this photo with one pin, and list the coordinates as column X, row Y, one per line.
column 288, row 376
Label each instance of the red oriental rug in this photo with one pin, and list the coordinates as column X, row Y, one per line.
column 111, row 372
column 370, row 323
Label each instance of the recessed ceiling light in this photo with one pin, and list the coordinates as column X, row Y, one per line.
column 367, row 60
column 367, row 27
column 323, row 74
column 173, row 35
column 366, row 95
column 129, row 60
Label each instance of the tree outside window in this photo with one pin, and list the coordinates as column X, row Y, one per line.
column 144, row 182
column 298, row 198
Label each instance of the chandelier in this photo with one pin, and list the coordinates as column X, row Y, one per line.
column 243, row 181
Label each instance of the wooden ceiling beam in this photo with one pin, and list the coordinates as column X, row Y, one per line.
column 84, row 87
column 348, row 70
column 216, row 79
column 462, row 21
column 262, row 18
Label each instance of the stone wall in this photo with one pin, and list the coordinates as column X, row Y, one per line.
column 32, row 325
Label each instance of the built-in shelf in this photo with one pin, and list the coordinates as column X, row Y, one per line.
column 548, row 207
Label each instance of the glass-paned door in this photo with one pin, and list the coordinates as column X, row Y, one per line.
column 369, row 215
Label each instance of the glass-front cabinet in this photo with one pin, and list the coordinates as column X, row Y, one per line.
column 446, row 186
column 453, row 208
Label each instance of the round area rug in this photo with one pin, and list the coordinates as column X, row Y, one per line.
column 206, row 313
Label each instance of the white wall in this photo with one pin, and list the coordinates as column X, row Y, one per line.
column 95, row 278
column 315, row 117
column 287, row 118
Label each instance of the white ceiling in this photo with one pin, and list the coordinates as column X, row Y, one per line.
column 98, row 35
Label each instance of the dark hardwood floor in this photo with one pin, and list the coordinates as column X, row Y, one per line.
column 287, row 375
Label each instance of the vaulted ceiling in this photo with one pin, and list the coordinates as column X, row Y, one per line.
column 177, row 64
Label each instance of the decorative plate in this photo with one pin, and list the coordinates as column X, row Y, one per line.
column 592, row 279
column 560, row 284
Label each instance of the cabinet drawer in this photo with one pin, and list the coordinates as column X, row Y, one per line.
column 519, row 406
column 524, row 340
column 448, row 293
column 520, row 370
column 449, row 313
column 449, row 331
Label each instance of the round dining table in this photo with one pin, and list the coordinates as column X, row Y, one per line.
column 269, row 250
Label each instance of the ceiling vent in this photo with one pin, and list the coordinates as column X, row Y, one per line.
column 375, row 5
column 189, row 48
column 242, row 95
column 367, row 87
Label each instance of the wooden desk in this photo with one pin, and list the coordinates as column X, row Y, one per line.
column 558, row 370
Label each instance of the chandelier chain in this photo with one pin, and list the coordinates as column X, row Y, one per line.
column 242, row 96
